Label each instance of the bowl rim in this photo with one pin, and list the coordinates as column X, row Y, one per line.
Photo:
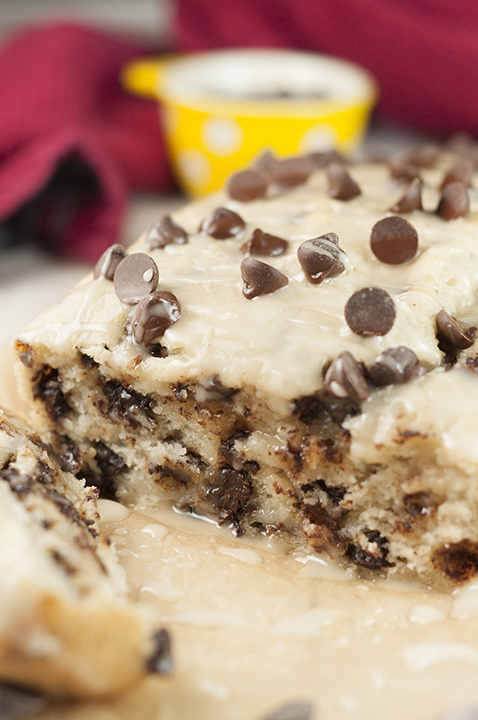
column 158, row 77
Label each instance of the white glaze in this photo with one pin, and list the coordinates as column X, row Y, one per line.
column 288, row 336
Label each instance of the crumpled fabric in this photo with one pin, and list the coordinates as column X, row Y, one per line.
column 73, row 143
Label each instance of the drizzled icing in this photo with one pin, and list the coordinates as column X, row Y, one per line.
column 281, row 342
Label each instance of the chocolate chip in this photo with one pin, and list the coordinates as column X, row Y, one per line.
column 291, row 171
column 165, row 232
column 261, row 243
column 462, row 172
column 136, row 276
column 366, row 559
column 411, row 199
column 109, row 261
column 345, row 379
column 110, row 464
column 322, row 258
column 260, row 278
column 451, row 335
column 454, row 202
column 153, row 315
column 161, row 661
column 230, row 494
column 457, row 561
column 395, row 365
column 48, row 387
column 292, row 711
column 341, row 185
column 402, row 169
column 394, row 240
column 247, row 185
column 222, row 223
column 370, row 311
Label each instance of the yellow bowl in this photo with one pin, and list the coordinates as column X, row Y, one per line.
column 221, row 109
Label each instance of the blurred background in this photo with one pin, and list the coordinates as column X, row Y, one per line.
column 83, row 163
column 146, row 17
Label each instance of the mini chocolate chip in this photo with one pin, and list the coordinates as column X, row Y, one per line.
column 161, row 661
column 341, row 185
column 136, row 276
column 260, row 278
column 109, row 261
column 451, row 335
column 322, row 258
column 291, row 171
column 402, row 169
column 261, row 243
column 247, row 185
column 462, row 172
column 153, row 315
column 292, row 711
column 222, row 223
column 395, row 365
column 370, row 311
column 165, row 232
column 454, row 202
column 345, row 379
column 411, row 199
column 394, row 240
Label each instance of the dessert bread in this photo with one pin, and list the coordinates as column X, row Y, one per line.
column 294, row 356
column 67, row 627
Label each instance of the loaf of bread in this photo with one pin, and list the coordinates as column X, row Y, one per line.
column 67, row 626
column 293, row 356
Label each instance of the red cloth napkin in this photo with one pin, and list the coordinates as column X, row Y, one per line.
column 72, row 141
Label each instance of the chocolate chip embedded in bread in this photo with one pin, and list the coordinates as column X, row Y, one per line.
column 341, row 185
column 136, row 276
column 292, row 711
column 395, row 365
column 153, row 315
column 261, row 243
column 161, row 661
column 411, row 199
column 247, row 185
column 291, row 172
column 165, row 232
column 260, row 278
column 222, row 223
column 109, row 261
column 451, row 335
column 394, row 240
column 454, row 202
column 457, row 561
column 345, row 379
column 322, row 258
column 462, row 172
column 370, row 311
